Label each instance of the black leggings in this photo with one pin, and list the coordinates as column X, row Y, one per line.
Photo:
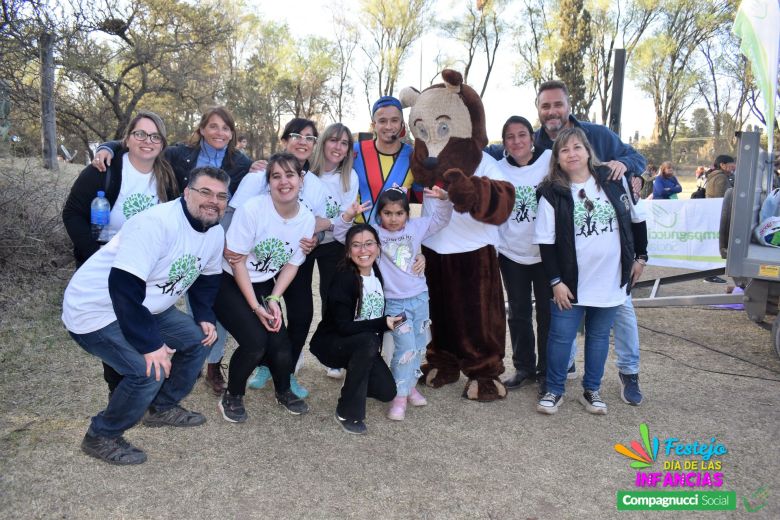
column 367, row 372
column 255, row 343
column 298, row 297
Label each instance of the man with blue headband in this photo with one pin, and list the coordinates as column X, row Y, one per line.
column 383, row 161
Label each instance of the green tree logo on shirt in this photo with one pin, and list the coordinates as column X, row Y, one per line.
column 136, row 203
column 525, row 204
column 331, row 208
column 600, row 220
column 372, row 307
column 183, row 272
column 271, row 255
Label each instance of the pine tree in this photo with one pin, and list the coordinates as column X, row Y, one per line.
column 570, row 64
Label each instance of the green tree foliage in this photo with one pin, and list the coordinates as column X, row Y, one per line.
column 372, row 306
column 525, row 203
column 181, row 275
column 536, row 43
column 575, row 41
column 271, row 255
column 701, row 124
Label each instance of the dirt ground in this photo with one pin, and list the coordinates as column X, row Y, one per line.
column 706, row 373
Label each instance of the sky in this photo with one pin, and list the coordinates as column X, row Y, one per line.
column 502, row 98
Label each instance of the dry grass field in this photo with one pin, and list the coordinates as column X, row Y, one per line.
column 706, row 373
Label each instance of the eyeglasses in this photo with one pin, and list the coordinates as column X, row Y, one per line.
column 368, row 244
column 140, row 135
column 311, row 139
column 588, row 203
column 208, row 194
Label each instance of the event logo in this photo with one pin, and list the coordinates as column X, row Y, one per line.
column 689, row 478
column 664, row 217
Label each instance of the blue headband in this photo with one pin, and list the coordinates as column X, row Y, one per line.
column 386, row 101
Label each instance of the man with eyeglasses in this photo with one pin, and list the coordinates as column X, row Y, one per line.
column 120, row 307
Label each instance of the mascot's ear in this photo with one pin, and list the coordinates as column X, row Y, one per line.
column 452, row 80
column 408, row 96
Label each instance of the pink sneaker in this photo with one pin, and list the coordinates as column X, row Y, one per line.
column 416, row 398
column 397, row 409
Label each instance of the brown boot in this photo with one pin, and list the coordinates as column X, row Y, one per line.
column 214, row 378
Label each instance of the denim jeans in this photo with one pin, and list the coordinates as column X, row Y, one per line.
column 626, row 340
column 218, row 348
column 563, row 330
column 410, row 340
column 136, row 392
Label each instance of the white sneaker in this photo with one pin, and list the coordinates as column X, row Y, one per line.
column 335, row 373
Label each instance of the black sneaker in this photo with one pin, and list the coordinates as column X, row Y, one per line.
column 572, row 373
column 176, row 416
column 630, row 392
column 520, row 379
column 115, row 451
column 353, row 427
column 549, row 403
column 593, row 403
column 232, row 407
column 292, row 403
column 715, row 279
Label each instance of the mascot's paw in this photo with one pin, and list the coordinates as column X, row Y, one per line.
column 461, row 190
column 484, row 389
column 436, row 378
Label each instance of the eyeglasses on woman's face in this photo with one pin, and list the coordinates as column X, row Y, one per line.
column 311, row 139
column 368, row 244
column 141, row 135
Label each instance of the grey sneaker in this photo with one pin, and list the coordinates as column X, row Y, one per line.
column 115, row 451
column 350, row 426
column 232, row 407
column 292, row 403
column 549, row 403
column 519, row 380
column 176, row 416
column 630, row 392
column 593, row 403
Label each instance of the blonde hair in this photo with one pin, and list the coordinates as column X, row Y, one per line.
column 318, row 156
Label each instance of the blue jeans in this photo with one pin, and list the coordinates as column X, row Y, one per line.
column 218, row 348
column 626, row 340
column 410, row 340
column 563, row 330
column 136, row 392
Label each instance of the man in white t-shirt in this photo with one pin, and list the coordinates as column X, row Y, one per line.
column 120, row 307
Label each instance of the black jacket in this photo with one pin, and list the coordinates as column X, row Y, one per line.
column 183, row 159
column 560, row 259
column 76, row 212
column 339, row 319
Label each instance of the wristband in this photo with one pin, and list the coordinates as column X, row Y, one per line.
column 642, row 257
column 273, row 298
column 555, row 281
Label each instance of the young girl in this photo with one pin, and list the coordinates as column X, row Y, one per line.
column 406, row 293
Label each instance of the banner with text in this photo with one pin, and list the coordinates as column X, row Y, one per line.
column 684, row 233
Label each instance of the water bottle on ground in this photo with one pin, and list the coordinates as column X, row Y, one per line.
column 100, row 211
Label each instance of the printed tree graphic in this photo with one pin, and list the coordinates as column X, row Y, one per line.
column 331, row 207
column 584, row 219
column 373, row 306
column 604, row 215
column 525, row 203
column 183, row 272
column 136, row 203
column 271, row 255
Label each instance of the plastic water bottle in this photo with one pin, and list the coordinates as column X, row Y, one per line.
column 100, row 211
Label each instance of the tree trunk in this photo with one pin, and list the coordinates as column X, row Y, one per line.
column 48, row 111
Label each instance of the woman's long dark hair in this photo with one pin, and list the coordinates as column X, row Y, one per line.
column 348, row 265
column 162, row 170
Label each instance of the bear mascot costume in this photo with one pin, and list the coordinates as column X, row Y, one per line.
column 464, row 281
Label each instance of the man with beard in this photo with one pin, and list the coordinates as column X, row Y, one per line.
column 120, row 307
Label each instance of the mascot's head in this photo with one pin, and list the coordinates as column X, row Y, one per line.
column 448, row 124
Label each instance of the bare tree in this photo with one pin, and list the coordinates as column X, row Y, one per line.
column 346, row 42
column 536, row 44
column 390, row 27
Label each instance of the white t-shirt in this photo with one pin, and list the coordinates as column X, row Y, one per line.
column 268, row 240
column 337, row 199
column 517, row 232
column 158, row 246
column 596, row 242
column 313, row 194
column 463, row 233
column 137, row 193
column 373, row 303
